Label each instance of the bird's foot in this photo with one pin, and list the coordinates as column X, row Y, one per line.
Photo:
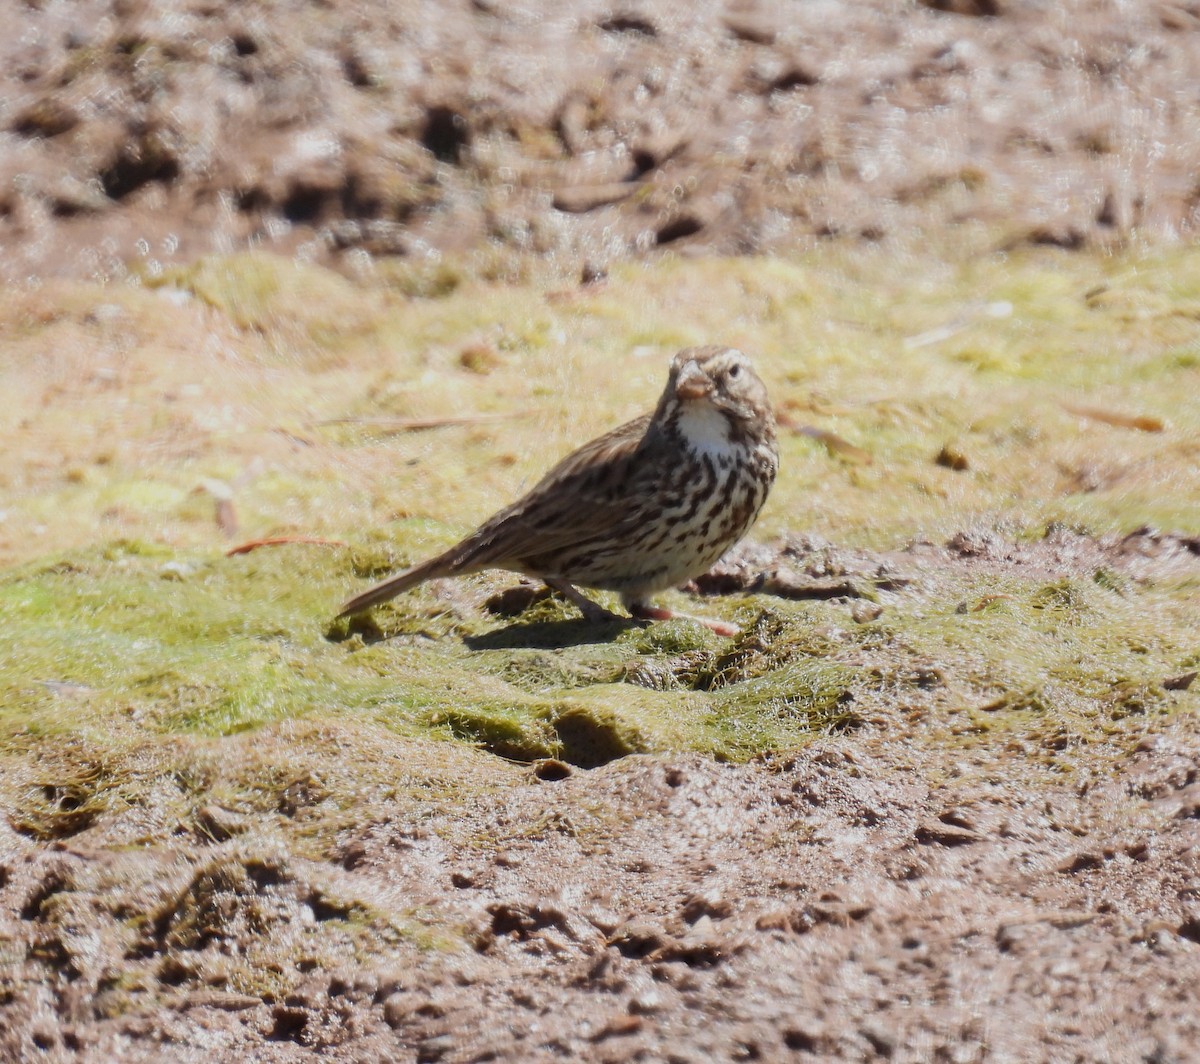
column 592, row 611
column 646, row 612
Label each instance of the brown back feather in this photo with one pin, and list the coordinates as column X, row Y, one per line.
column 596, row 479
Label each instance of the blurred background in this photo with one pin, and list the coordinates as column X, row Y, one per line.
column 137, row 133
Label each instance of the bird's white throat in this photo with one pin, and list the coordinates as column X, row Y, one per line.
column 705, row 428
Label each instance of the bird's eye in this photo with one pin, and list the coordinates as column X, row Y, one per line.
column 734, row 372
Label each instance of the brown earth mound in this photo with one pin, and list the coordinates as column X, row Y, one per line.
column 135, row 133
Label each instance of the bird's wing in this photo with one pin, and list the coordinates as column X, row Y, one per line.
column 587, row 493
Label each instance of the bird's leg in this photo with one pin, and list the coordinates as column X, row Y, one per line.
column 648, row 612
column 592, row 611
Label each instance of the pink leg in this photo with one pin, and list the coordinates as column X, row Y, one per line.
column 645, row 611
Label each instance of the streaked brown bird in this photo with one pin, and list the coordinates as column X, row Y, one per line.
column 640, row 509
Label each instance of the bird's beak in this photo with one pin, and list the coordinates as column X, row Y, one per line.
column 692, row 382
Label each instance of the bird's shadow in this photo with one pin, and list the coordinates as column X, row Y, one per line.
column 551, row 635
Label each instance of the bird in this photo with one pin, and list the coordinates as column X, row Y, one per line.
column 643, row 508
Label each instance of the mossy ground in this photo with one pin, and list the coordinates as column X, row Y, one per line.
column 132, row 410
column 1062, row 384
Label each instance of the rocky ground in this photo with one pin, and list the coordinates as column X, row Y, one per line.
column 959, row 868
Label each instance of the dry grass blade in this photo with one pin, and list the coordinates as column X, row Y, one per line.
column 276, row 541
column 837, row 445
column 419, row 424
column 1140, row 422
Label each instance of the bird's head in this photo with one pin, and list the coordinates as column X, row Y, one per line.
column 722, row 379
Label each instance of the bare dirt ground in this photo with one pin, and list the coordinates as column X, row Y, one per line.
column 916, row 886
column 919, row 885
column 137, row 134
column 852, row 902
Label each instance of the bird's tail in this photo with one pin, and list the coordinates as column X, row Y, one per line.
column 442, row 565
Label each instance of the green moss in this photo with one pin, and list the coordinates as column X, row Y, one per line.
column 500, row 731
column 782, row 709
column 129, row 624
column 422, row 280
column 310, row 310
